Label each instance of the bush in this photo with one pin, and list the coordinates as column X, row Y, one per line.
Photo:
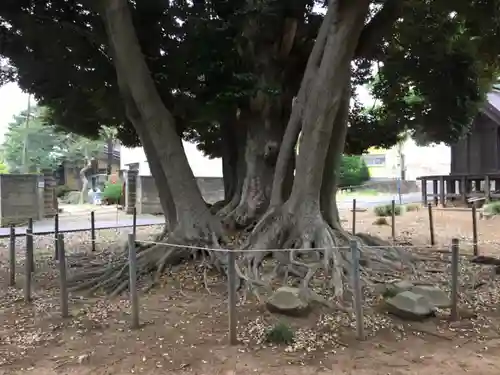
column 62, row 190
column 492, row 208
column 412, row 207
column 386, row 210
column 112, row 192
column 280, row 333
column 353, row 171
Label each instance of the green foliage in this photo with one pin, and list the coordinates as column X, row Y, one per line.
column 62, row 191
column 48, row 146
column 353, row 171
column 390, row 293
column 412, row 207
column 3, row 168
column 210, row 57
column 112, row 192
column 280, row 333
column 386, row 210
column 492, row 208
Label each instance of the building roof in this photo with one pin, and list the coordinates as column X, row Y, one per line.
column 492, row 106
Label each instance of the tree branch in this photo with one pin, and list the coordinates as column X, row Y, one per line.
column 378, row 27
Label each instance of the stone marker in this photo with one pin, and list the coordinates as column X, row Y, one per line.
column 435, row 295
column 288, row 301
column 408, row 305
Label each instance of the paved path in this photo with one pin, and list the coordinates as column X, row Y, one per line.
column 110, row 218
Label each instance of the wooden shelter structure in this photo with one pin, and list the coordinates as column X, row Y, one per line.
column 475, row 161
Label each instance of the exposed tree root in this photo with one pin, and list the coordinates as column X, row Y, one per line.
column 112, row 276
column 305, row 247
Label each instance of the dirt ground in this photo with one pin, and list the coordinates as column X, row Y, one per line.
column 185, row 324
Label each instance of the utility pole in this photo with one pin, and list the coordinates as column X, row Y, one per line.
column 26, row 138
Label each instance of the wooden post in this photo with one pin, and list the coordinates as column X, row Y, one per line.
column 393, row 220
column 454, row 278
column 92, row 229
column 424, row 191
column 357, row 292
column 62, row 276
column 442, row 197
column 463, row 189
column 134, row 222
column 29, row 246
column 28, row 267
column 435, row 192
column 56, row 236
column 12, row 256
column 487, row 189
column 354, row 216
column 134, row 298
column 431, row 225
column 231, row 288
column 474, row 230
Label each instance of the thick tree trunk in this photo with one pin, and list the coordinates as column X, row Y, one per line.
column 233, row 155
column 328, row 202
column 194, row 219
column 261, row 150
column 166, row 200
column 299, row 223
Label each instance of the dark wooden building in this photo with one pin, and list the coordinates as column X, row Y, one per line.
column 475, row 161
column 479, row 152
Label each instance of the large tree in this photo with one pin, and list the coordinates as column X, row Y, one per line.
column 43, row 146
column 225, row 73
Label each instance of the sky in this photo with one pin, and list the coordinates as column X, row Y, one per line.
column 13, row 100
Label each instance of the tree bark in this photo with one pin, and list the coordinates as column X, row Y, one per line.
column 233, row 166
column 299, row 223
column 328, row 201
column 161, row 182
column 194, row 218
column 261, row 149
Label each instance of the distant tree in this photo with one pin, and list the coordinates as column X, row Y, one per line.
column 48, row 146
column 3, row 168
column 353, row 171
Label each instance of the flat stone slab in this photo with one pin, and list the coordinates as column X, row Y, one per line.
column 436, row 296
column 288, row 301
column 410, row 306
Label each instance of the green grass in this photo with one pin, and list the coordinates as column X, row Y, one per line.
column 280, row 333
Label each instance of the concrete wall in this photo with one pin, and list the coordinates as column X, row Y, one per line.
column 199, row 163
column 147, row 200
column 19, row 198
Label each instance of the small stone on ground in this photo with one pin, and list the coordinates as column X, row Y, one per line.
column 288, row 301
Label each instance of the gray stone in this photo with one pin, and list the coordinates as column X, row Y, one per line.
column 435, row 295
column 408, row 305
column 288, row 301
column 400, row 286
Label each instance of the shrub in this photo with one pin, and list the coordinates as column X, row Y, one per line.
column 412, row 207
column 62, row 190
column 492, row 208
column 353, row 171
column 386, row 210
column 380, row 221
column 112, row 192
column 280, row 333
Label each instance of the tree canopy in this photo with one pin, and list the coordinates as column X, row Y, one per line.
column 212, row 56
column 47, row 145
